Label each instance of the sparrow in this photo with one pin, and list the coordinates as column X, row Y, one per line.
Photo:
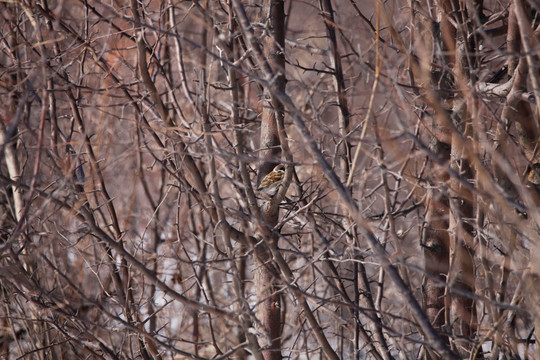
column 271, row 182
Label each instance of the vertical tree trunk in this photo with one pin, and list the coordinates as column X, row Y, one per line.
column 7, row 133
column 272, row 109
column 462, row 311
column 461, row 227
column 267, row 287
column 517, row 111
column 436, row 242
column 435, row 238
column 449, row 228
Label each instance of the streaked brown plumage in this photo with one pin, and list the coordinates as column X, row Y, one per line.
column 271, row 182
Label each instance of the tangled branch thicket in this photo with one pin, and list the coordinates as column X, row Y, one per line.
column 134, row 135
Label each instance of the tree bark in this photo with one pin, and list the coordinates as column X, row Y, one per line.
column 267, row 288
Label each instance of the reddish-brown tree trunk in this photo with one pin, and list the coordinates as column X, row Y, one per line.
column 269, row 310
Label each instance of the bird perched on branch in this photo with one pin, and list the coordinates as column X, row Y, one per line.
column 271, row 182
